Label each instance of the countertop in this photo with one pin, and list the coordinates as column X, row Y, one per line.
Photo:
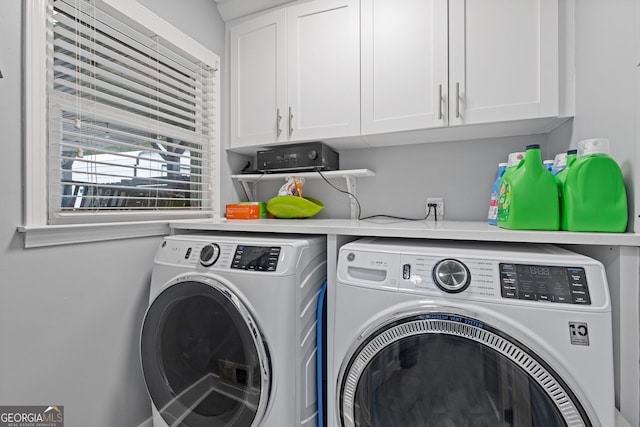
column 451, row 230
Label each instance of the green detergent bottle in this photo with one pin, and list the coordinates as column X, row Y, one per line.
column 594, row 197
column 528, row 198
column 561, row 178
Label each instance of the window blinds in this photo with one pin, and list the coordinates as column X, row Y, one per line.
column 132, row 119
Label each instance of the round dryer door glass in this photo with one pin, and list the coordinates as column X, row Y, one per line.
column 437, row 370
column 203, row 359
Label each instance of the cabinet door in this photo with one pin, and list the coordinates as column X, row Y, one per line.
column 323, row 52
column 503, row 60
column 258, row 80
column 404, row 64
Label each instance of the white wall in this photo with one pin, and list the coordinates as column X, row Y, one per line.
column 70, row 316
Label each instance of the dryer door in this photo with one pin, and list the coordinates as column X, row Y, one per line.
column 443, row 369
column 203, row 357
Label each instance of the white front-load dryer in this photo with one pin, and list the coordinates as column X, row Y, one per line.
column 431, row 333
column 229, row 336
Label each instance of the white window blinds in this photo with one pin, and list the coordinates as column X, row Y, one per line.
column 132, row 120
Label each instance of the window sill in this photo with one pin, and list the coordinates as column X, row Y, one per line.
column 53, row 235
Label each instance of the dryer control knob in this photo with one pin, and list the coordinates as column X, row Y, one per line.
column 451, row 275
column 209, row 254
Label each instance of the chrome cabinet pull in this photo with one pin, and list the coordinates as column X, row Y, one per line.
column 457, row 100
column 290, row 122
column 278, row 120
column 439, row 102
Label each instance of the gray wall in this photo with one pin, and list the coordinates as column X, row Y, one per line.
column 461, row 172
column 70, row 315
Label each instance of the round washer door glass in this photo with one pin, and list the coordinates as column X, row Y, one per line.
column 203, row 358
column 447, row 370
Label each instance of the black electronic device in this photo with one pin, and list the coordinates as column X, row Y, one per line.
column 308, row 156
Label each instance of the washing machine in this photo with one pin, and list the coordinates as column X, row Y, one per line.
column 436, row 333
column 228, row 338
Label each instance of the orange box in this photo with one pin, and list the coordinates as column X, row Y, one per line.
column 246, row 210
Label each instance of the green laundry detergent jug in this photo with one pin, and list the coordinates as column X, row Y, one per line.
column 528, row 198
column 561, row 178
column 594, row 197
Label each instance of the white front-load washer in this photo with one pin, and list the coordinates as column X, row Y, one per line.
column 229, row 336
column 433, row 333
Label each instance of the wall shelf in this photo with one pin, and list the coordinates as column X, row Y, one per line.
column 250, row 181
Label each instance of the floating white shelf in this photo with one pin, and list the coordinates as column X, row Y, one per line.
column 250, row 181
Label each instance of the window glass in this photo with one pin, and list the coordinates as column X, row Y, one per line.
column 124, row 124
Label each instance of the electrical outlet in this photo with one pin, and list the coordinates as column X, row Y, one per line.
column 439, row 211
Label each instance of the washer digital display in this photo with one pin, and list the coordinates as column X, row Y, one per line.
column 544, row 283
column 259, row 258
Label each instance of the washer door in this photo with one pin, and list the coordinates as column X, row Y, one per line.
column 443, row 369
column 203, row 358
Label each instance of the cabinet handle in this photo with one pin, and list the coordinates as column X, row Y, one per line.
column 278, row 120
column 439, row 102
column 290, row 122
column 457, row 100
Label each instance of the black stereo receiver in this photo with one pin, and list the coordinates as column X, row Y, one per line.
column 298, row 157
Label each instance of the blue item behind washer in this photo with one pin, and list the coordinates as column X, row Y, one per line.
column 321, row 357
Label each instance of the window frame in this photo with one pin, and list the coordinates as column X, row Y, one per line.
column 38, row 231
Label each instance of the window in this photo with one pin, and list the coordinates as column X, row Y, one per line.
column 122, row 116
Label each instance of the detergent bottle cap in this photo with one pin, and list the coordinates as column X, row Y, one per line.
column 588, row 147
column 514, row 158
column 560, row 160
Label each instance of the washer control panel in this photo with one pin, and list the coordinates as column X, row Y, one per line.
column 544, row 283
column 515, row 274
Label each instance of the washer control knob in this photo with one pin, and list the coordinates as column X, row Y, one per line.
column 209, row 254
column 313, row 154
column 451, row 275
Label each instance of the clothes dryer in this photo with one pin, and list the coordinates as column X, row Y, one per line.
column 430, row 333
column 229, row 336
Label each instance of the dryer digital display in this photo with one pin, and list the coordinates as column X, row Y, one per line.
column 544, row 283
column 259, row 258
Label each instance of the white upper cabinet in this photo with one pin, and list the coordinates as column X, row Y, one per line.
column 503, row 60
column 324, row 69
column 258, row 80
column 295, row 74
column 436, row 63
column 404, row 64
column 336, row 69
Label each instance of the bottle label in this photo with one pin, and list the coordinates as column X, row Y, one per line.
column 504, row 202
column 493, row 206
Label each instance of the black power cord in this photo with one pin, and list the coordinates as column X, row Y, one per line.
column 430, row 206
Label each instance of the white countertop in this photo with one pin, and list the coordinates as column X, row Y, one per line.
column 451, row 230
